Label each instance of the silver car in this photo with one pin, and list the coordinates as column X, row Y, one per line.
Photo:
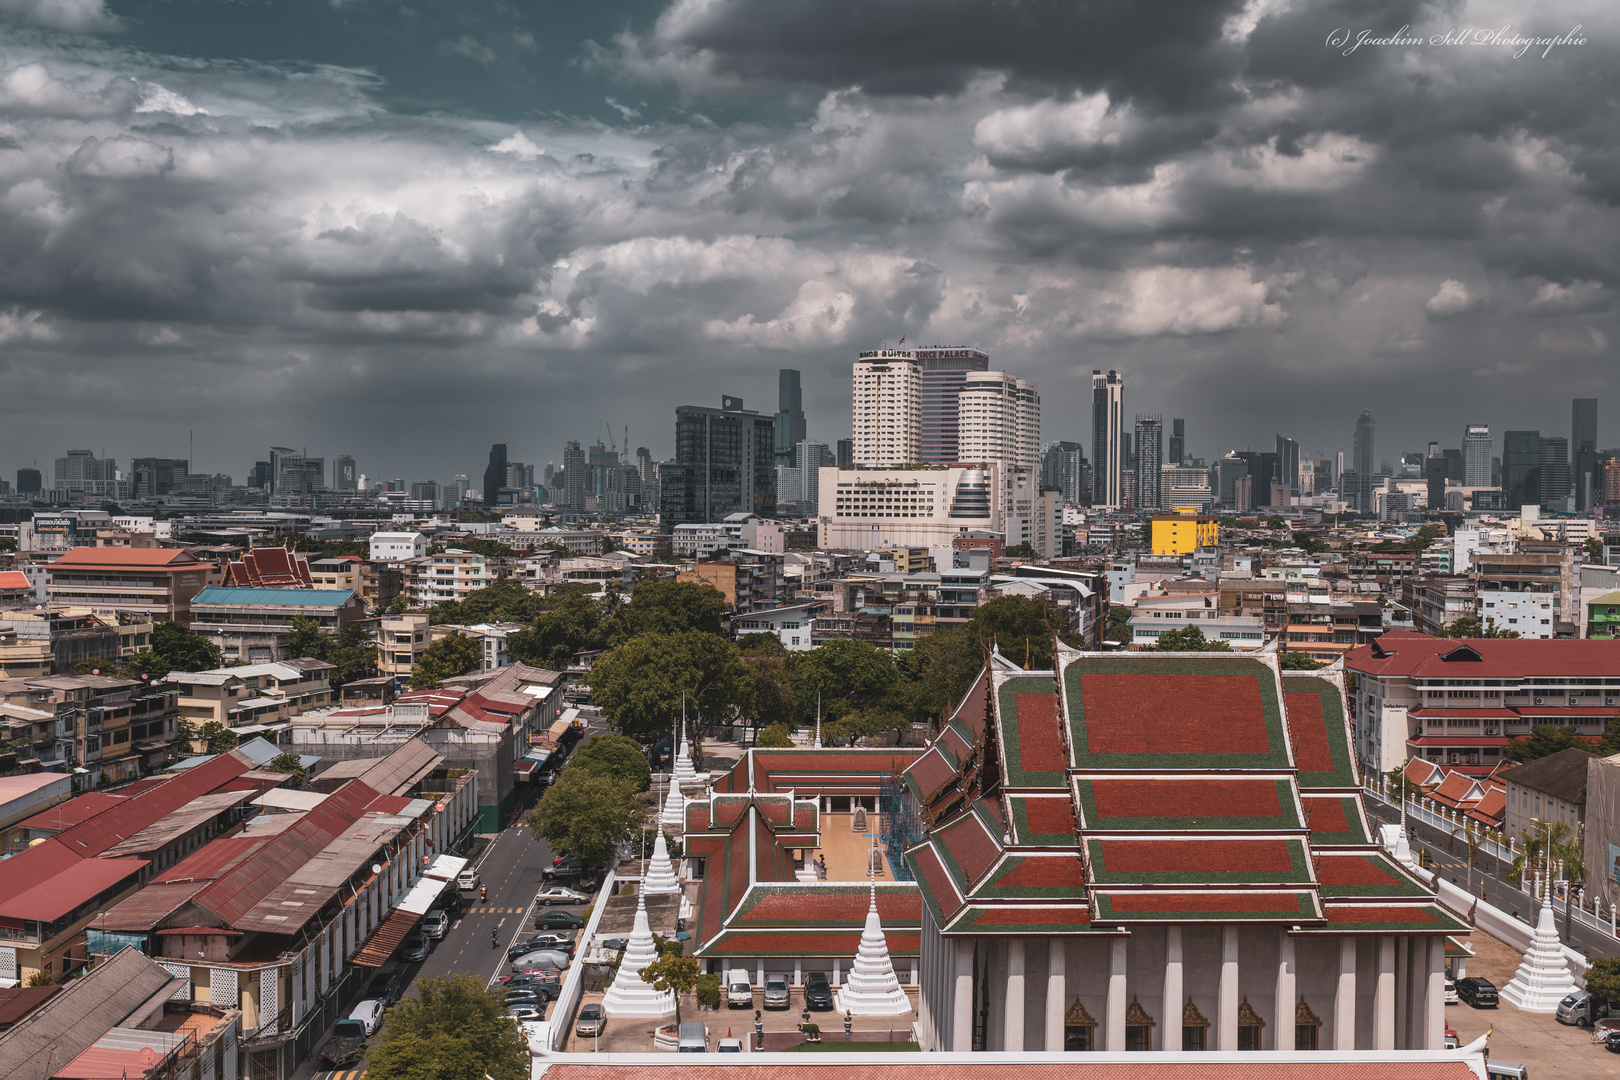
column 544, row 959
column 776, row 994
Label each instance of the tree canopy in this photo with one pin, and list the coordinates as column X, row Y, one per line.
column 569, row 625
column 587, row 815
column 672, row 972
column 1189, row 639
column 502, row 600
column 617, row 757
column 176, row 647
column 1471, row 627
column 1543, row 741
column 667, row 607
column 350, row 650
column 1298, row 661
column 453, row 1028
column 846, row 675
column 1603, row 977
column 639, row 684
column 445, row 659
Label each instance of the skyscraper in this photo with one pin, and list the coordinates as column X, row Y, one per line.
column 1435, row 471
column 1521, row 469
column 294, row 473
column 846, row 453
column 1476, row 452
column 344, row 475
column 999, row 419
column 29, row 481
column 157, row 476
column 1364, row 462
column 1107, row 420
column 1288, row 464
column 1554, row 471
column 1149, row 457
column 1583, row 478
column 1064, row 469
column 495, row 474
column 576, row 475
column 1178, row 441
column 887, row 409
column 789, row 415
column 725, row 463
column 943, row 373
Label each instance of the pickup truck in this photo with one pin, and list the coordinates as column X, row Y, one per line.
column 347, row 1043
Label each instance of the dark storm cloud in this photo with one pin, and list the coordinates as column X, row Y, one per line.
column 302, row 251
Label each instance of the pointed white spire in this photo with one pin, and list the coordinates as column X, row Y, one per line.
column 685, row 771
column 629, row 996
column 818, row 720
column 1544, row 979
column 872, row 988
column 674, row 815
column 660, row 879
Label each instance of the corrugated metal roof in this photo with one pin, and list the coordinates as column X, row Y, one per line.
column 400, row 770
column 92, row 556
column 309, row 887
column 175, row 825
column 106, row 829
column 71, row 1022
column 219, row 594
column 64, row 815
column 55, row 897
column 376, row 949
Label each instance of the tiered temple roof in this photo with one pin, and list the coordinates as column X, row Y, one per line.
column 1130, row 789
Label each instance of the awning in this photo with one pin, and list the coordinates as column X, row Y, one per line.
column 380, row 945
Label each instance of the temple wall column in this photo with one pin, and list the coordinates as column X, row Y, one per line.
column 1170, row 1020
column 1116, row 995
column 1057, row 991
column 1434, row 996
column 1012, row 1036
column 1226, row 1006
column 1344, row 999
column 962, row 1011
column 1282, row 1036
column 1384, row 996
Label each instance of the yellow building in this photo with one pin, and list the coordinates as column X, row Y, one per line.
column 1181, row 534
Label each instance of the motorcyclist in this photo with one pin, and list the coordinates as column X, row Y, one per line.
column 494, row 942
column 483, row 893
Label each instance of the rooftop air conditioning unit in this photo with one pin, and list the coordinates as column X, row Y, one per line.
column 1541, row 701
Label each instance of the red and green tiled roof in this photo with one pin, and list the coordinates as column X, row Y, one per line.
column 1335, row 821
column 820, row 904
column 1033, row 754
column 1321, row 739
column 1345, row 918
column 1174, row 713
column 1225, row 860
column 806, row 943
column 934, row 880
column 1031, row 877
column 1212, row 905
column 1042, row 819
column 1023, row 919
column 1360, row 875
column 1187, row 803
column 931, row 772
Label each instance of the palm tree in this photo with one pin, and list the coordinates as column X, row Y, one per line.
column 1550, row 846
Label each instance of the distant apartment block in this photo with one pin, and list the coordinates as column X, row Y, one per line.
column 397, row 546
column 149, row 583
column 255, row 624
column 400, row 642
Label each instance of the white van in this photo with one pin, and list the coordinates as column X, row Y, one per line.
column 739, row 991
column 370, row 1013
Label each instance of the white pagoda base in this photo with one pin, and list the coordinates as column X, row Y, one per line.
column 1544, row 979
column 871, row 988
column 660, row 879
column 629, row 997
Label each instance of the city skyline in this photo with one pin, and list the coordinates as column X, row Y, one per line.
column 476, row 226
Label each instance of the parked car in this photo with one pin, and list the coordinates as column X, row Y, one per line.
column 468, row 879
column 1506, row 1070
column 729, row 1046
column 539, row 982
column 613, row 944
column 1480, row 993
column 558, row 920
column 370, row 1014
column 344, row 1048
column 1451, row 992
column 776, row 994
column 526, row 1014
column 1581, row 1009
column 739, row 991
column 591, row 1021
column 385, row 987
column 693, row 1039
column 558, row 894
column 562, row 867
column 818, row 993
column 558, row 942
column 1452, row 1040
column 415, row 947
column 435, row 924
column 542, row 959
column 1611, row 1042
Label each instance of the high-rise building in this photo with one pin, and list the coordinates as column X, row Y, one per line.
column 1476, row 452
column 1064, row 469
column 789, row 415
column 1587, row 486
column 1554, row 471
column 1363, row 460
column 1435, row 471
column 154, row 477
column 461, row 486
column 1178, row 441
column 81, row 470
column 846, row 453
column 809, row 458
column 1149, row 458
column 887, row 409
column 725, row 463
column 495, row 475
column 1107, row 427
column 944, row 371
column 576, row 476
column 345, row 476
column 1228, row 471
column 999, row 419
column 1288, row 464
column 292, row 472
column 1521, row 469
column 29, row 481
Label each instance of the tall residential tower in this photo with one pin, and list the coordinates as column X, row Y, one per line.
column 1107, row 449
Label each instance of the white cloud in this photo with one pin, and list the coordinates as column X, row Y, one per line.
column 1030, row 131
column 1452, row 298
column 1556, row 298
column 1572, row 342
column 1168, row 300
column 122, row 157
column 24, row 326
column 80, row 15
column 156, row 98
column 519, row 144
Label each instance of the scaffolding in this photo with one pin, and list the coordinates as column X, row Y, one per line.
column 901, row 826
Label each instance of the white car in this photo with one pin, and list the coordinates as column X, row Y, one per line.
column 434, row 925
column 467, row 879
column 557, row 894
column 1451, row 992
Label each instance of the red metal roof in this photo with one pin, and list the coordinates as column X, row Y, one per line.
column 1419, row 655
column 152, row 805
column 13, row 579
column 96, row 556
column 63, row 815
column 49, row 900
column 377, row 948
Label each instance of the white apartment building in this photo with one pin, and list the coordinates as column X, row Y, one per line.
column 999, row 419
column 1152, row 615
column 447, row 576
column 396, row 546
column 792, row 625
column 887, row 409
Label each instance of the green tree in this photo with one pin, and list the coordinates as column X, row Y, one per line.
column 218, row 737
column 453, row 1028
column 639, row 684
column 175, row 645
column 1020, row 626
column 502, row 600
column 1021, row 551
column 773, row 736
column 1298, row 661
column 445, row 659
column 1603, row 977
column 845, row 675
column 308, row 639
column 398, row 605
column 761, row 642
column 938, row 670
column 1548, row 740
column 353, row 653
column 672, row 972
column 772, row 677
column 1119, row 624
column 1593, row 549
column 289, row 763
column 587, row 815
column 668, row 607
column 1470, row 627
column 572, row 624
column 1189, row 639
column 617, row 757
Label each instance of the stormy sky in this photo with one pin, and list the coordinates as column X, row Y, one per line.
column 407, row 230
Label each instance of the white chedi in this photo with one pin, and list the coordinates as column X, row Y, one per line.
column 660, row 879
column 872, row 988
column 674, row 815
column 685, row 770
column 1543, row 979
column 629, row 996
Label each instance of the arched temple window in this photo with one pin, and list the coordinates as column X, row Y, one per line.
column 1138, row 1027
column 1194, row 1028
column 1079, row 1028
column 1307, row 1028
column 1249, row 1025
